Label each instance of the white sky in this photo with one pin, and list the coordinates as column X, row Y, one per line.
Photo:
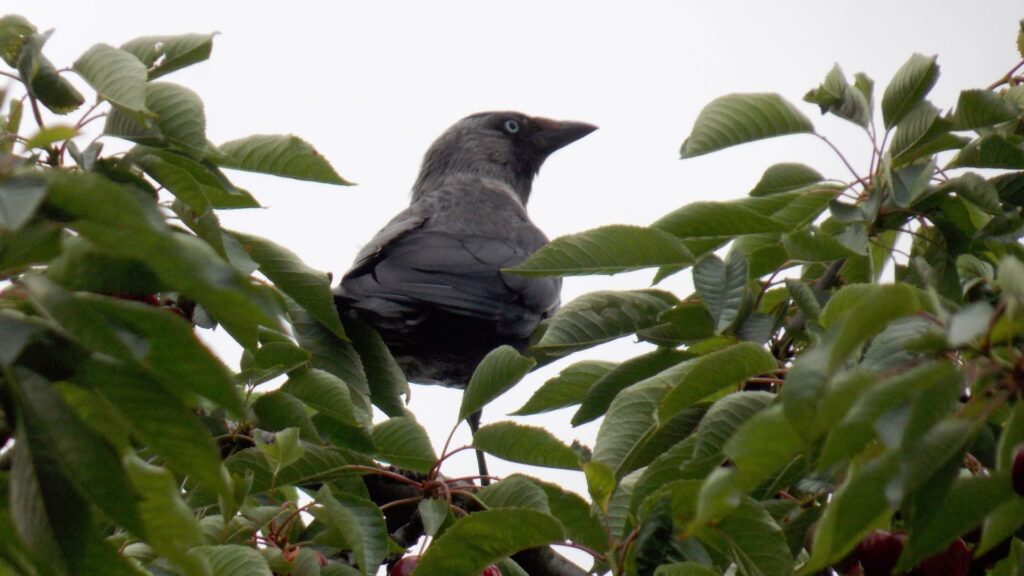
column 371, row 84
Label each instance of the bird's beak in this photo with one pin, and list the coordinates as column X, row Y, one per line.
column 554, row 134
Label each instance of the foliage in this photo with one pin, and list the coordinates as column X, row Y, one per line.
column 849, row 362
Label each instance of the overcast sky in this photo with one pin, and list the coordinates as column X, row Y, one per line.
column 371, row 84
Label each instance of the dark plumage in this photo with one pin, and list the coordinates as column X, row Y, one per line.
column 430, row 280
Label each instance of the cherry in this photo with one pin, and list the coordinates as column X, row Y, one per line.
column 879, row 551
column 1017, row 470
column 953, row 561
column 491, row 570
column 404, row 566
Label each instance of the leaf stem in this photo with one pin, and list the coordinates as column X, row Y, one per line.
column 386, row 473
column 843, row 158
column 400, row 502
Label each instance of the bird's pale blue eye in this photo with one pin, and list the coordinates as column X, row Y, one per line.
column 511, row 126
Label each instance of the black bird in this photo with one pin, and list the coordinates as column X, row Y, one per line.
column 430, row 281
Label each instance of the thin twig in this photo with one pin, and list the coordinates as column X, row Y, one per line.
column 444, row 451
column 1006, row 77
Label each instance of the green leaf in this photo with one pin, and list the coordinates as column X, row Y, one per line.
column 514, row 491
column 170, row 526
column 719, row 424
column 835, row 95
column 309, row 288
column 159, row 419
column 175, row 354
column 968, row 502
column 738, row 118
column 92, row 464
column 601, row 317
column 312, row 464
column 813, row 245
column 180, row 120
column 716, row 220
column 480, row 539
column 858, row 506
column 434, row 512
column 331, row 354
column 653, row 537
column 1020, row 40
column 14, row 31
column 279, row 410
column 81, row 266
column 600, row 482
column 687, row 323
column 695, row 379
column 526, row 445
column 403, row 442
column 872, row 310
column 128, row 225
column 921, row 127
column 20, row 196
column 577, row 516
column 51, row 517
column 50, row 135
column 909, row 85
column 232, row 560
column 165, row 54
column 570, row 387
column 600, row 396
column 284, row 451
column 804, row 298
column 42, row 79
column 149, row 337
column 785, row 177
column 762, row 446
column 722, row 286
column 325, row 393
column 663, row 471
column 279, row 155
column 1011, row 436
column 12, row 124
column 924, row 458
column 911, row 182
column 116, row 76
column 980, row 109
column 1000, row 524
column 619, row 518
column 16, row 332
column 35, row 243
column 606, row 250
column 991, row 151
column 201, row 185
column 685, row 569
column 631, row 416
column 797, row 208
column 969, row 323
column 751, row 538
column 497, row 373
column 358, row 523
column 858, row 426
column 385, row 379
column 270, row 360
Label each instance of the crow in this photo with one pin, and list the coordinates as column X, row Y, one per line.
column 431, row 281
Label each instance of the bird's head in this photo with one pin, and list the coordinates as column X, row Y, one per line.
column 507, row 146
